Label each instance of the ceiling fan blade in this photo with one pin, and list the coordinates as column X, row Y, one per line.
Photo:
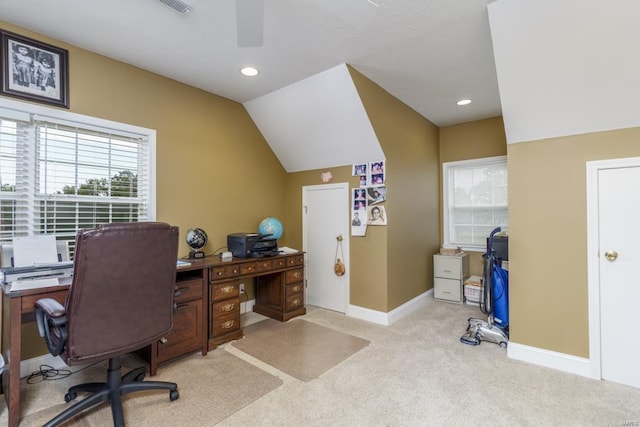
column 250, row 22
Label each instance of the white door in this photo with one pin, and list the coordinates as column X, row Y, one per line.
column 325, row 216
column 618, row 258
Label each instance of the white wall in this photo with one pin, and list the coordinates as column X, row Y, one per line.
column 566, row 67
column 317, row 123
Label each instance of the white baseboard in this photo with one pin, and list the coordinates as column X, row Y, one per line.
column 386, row 319
column 550, row 359
column 247, row 306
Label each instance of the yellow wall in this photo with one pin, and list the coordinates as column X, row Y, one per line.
column 473, row 140
column 548, row 293
column 214, row 169
column 391, row 264
column 410, row 144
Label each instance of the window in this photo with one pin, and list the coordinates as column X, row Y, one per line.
column 61, row 172
column 475, row 201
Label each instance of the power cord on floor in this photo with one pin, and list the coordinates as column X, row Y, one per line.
column 46, row 373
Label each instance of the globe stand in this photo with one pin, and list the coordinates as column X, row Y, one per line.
column 196, row 254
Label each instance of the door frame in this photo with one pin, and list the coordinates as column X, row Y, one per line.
column 593, row 259
column 345, row 243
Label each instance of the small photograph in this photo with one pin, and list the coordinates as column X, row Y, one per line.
column 359, row 205
column 359, row 194
column 356, row 220
column 363, row 181
column 376, row 215
column 377, row 167
column 359, row 223
column 377, row 179
column 376, row 194
column 360, row 169
column 377, row 173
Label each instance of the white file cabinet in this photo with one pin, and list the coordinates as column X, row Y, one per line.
column 449, row 274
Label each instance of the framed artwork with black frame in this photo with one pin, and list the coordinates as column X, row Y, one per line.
column 33, row 70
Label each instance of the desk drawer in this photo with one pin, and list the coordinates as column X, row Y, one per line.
column 279, row 263
column 225, row 290
column 265, row 265
column 230, row 307
column 226, row 325
column 29, row 300
column 223, row 272
column 293, row 276
column 293, row 289
column 295, row 260
column 248, row 268
column 188, row 289
column 293, row 302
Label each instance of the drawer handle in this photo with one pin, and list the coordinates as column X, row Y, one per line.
column 250, row 268
column 163, row 340
column 296, row 301
column 264, row 265
column 228, row 307
column 296, row 274
column 296, row 288
column 228, row 324
column 220, row 273
column 235, row 270
column 227, row 289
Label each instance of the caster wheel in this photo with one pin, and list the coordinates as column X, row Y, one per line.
column 70, row 396
column 174, row 395
column 503, row 344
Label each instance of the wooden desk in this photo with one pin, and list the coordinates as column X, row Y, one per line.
column 17, row 307
column 208, row 310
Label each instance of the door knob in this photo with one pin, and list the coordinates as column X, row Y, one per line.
column 611, row 255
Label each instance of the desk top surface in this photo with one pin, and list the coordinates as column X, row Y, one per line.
column 194, row 264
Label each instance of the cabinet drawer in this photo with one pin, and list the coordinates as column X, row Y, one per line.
column 279, row 263
column 447, row 289
column 230, row 307
column 449, row 267
column 225, row 325
column 264, row 265
column 222, row 272
column 248, row 268
column 295, row 288
column 295, row 260
column 186, row 334
column 293, row 302
column 188, row 289
column 293, row 276
column 225, row 290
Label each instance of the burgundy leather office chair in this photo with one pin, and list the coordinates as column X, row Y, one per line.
column 120, row 300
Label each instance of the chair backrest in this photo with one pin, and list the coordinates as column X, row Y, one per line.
column 121, row 298
column 6, row 253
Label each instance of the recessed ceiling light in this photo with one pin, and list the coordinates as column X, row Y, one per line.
column 249, row 71
column 464, row 102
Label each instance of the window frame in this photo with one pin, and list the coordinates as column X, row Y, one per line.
column 21, row 111
column 448, row 169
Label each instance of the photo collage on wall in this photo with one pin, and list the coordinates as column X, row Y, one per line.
column 368, row 199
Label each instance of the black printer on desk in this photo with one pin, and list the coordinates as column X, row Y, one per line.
column 252, row 245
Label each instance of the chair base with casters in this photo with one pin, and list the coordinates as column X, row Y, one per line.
column 112, row 392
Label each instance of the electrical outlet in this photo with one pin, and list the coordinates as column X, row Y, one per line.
column 241, row 287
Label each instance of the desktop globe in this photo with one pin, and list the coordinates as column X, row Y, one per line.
column 196, row 239
column 271, row 226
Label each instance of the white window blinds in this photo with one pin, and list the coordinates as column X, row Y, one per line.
column 475, row 201
column 58, row 177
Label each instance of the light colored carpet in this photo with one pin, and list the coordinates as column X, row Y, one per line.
column 298, row 348
column 413, row 373
column 211, row 388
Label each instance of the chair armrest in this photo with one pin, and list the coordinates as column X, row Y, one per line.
column 51, row 320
